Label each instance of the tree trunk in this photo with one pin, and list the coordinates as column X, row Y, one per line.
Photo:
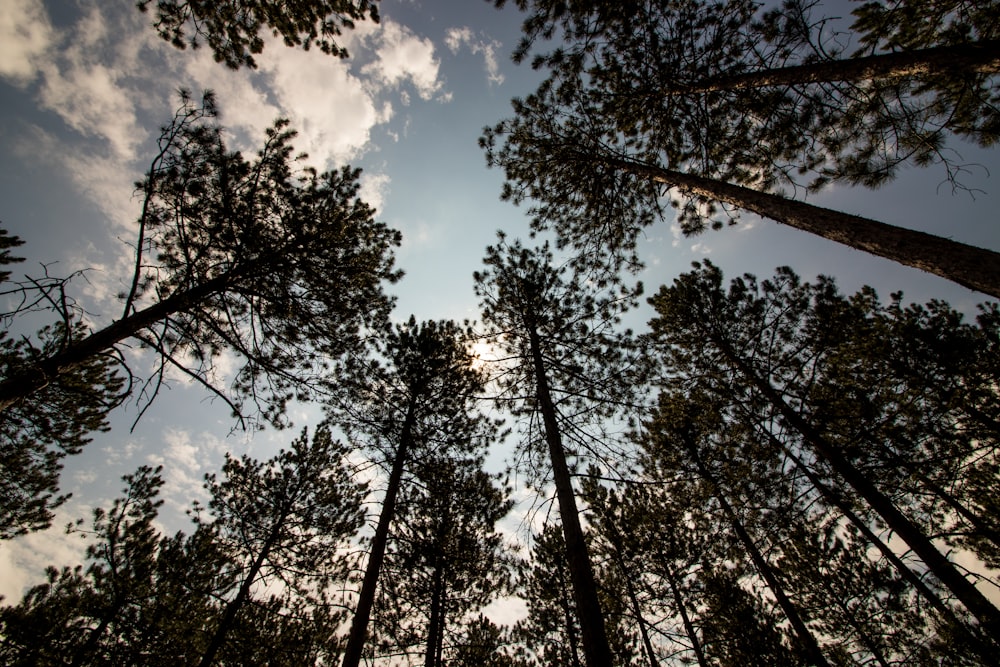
column 25, row 382
column 94, row 636
column 595, row 641
column 616, row 540
column 969, row 266
column 359, row 625
column 685, row 619
column 979, row 57
column 234, row 606
column 442, row 625
column 978, row 523
column 567, row 611
column 803, row 634
column 902, row 569
column 980, row 607
column 435, row 624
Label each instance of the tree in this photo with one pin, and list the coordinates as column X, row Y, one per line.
column 567, row 371
column 770, row 345
column 35, row 436
column 232, row 28
column 141, row 599
column 607, row 136
column 484, row 644
column 807, row 105
column 34, row 439
column 281, row 268
column 283, row 522
column 682, row 427
column 448, row 561
column 421, row 401
column 739, row 630
column 551, row 630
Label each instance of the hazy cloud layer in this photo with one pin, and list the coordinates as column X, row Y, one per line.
column 25, row 37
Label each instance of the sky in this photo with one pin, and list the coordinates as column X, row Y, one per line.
column 85, row 86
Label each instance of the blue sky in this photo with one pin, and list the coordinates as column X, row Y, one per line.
column 84, row 87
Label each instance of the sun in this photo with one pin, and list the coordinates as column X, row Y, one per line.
column 483, row 352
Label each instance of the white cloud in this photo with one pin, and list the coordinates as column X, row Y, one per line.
column 89, row 84
column 456, row 38
column 330, row 108
column 185, row 462
column 374, row 188
column 243, row 107
column 402, row 56
column 25, row 37
column 23, row 560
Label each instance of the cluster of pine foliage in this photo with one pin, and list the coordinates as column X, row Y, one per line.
column 775, row 473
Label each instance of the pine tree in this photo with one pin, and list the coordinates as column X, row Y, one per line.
column 607, row 145
column 283, row 521
column 767, row 348
column 447, row 561
column 282, row 268
column 422, row 400
column 551, row 632
column 141, row 599
column 34, row 441
column 568, row 370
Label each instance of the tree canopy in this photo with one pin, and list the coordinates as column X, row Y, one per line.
column 655, row 110
column 279, row 268
column 232, row 28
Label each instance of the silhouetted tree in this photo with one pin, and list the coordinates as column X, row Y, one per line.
column 421, row 401
column 58, row 422
column 141, row 599
column 567, row 370
column 603, row 141
column 283, row 522
column 769, row 346
column 283, row 269
column 446, row 560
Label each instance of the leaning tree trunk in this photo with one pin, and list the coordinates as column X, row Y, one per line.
column 366, row 599
column 234, row 606
column 969, row 266
column 838, row 501
column 942, row 568
column 26, row 381
column 689, row 630
column 615, row 538
column 596, row 649
column 805, row 636
column 977, row 57
column 981, row 528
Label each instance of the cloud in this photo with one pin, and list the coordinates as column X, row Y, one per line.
column 374, row 188
column 332, row 109
column 23, row 561
column 93, row 83
column 402, row 56
column 25, row 37
column 185, row 463
column 245, row 110
column 456, row 38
